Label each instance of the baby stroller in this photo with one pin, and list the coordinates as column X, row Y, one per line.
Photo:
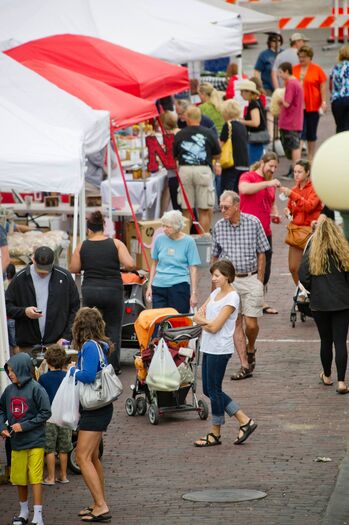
column 177, row 330
column 134, row 301
column 301, row 305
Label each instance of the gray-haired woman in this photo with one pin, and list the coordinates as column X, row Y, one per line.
column 174, row 266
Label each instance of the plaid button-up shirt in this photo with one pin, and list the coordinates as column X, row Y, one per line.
column 240, row 243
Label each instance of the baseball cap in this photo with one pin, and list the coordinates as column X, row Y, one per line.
column 298, row 36
column 44, row 258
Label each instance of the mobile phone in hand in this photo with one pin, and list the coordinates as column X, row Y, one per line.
column 38, row 310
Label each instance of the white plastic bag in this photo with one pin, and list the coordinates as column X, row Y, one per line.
column 163, row 374
column 65, row 404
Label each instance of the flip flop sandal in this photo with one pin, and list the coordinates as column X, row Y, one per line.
column 216, row 440
column 247, row 430
column 62, row 480
column 101, row 518
column 242, row 373
column 322, row 379
column 342, row 391
column 85, row 511
column 269, row 310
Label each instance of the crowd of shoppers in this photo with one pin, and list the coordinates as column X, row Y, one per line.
column 43, row 300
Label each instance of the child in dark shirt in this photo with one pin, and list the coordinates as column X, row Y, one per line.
column 58, row 439
column 24, row 410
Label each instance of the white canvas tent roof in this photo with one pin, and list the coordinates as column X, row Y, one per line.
column 130, row 24
column 36, row 156
column 28, row 90
column 220, row 12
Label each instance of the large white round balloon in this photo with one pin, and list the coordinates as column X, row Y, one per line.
column 330, row 172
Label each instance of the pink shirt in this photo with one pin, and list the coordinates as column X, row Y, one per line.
column 258, row 204
column 291, row 118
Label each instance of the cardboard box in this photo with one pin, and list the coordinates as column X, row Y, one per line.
column 148, row 231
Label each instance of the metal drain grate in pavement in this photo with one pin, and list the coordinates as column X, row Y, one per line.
column 224, row 495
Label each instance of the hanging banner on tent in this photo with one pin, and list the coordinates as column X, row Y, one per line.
column 158, row 151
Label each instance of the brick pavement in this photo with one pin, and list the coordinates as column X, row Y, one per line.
column 148, row 468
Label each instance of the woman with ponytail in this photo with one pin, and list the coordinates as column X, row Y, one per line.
column 100, row 258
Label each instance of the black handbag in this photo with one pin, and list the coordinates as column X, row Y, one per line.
column 259, row 137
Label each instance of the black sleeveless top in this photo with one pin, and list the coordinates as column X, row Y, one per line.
column 100, row 263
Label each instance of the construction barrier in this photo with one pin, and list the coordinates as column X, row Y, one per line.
column 338, row 33
column 313, row 22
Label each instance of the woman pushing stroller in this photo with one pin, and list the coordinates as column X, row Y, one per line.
column 218, row 317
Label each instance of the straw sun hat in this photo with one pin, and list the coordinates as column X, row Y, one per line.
column 247, row 85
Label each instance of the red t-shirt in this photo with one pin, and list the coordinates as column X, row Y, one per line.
column 258, row 204
column 291, row 118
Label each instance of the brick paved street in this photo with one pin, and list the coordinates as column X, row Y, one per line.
column 148, row 468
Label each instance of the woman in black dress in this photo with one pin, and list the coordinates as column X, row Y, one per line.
column 231, row 111
column 100, row 258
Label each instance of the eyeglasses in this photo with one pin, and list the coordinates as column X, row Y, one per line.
column 224, row 208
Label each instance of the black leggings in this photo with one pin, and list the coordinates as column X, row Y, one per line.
column 268, row 256
column 110, row 302
column 333, row 328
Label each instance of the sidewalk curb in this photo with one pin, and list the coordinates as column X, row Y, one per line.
column 337, row 511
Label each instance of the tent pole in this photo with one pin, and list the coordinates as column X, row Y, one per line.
column 4, row 346
column 82, row 214
column 145, row 209
column 75, row 221
column 110, row 211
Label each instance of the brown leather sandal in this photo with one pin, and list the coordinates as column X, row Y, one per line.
column 242, row 373
column 251, row 359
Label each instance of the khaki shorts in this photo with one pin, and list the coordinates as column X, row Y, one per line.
column 58, row 439
column 27, row 466
column 251, row 293
column 198, row 185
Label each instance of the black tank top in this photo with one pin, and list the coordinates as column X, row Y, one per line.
column 100, row 263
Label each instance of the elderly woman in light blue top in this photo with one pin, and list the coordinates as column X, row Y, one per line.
column 174, row 266
column 339, row 86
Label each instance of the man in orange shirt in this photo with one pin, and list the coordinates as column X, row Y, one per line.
column 313, row 79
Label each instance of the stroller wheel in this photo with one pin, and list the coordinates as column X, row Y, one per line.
column 130, row 406
column 203, row 414
column 141, row 406
column 293, row 319
column 303, row 317
column 153, row 414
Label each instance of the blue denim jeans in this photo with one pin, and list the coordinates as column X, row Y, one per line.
column 213, row 370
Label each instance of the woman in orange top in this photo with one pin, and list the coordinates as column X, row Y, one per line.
column 304, row 206
column 313, row 79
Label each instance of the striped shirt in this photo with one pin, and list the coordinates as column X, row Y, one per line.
column 240, row 243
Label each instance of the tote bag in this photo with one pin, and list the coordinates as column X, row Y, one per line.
column 227, row 157
column 105, row 389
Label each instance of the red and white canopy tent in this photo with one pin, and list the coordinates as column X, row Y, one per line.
column 133, row 72
column 113, row 66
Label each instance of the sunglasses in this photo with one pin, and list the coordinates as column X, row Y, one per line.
column 222, row 207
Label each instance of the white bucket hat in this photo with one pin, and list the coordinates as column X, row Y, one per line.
column 247, row 85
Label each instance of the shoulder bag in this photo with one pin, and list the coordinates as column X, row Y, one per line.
column 260, row 137
column 105, row 389
column 227, row 158
column 298, row 236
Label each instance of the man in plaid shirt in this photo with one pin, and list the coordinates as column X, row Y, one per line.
column 240, row 238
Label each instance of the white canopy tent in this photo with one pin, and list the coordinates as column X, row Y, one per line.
column 130, row 24
column 33, row 93
column 34, row 156
column 219, row 12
